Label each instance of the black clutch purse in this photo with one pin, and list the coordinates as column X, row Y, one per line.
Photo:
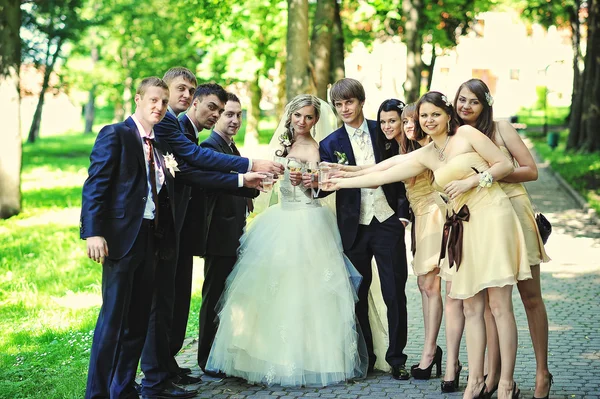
column 544, row 226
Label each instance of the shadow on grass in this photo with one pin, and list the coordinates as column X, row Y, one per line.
column 56, row 197
column 67, row 152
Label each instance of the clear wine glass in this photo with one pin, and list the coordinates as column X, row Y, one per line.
column 312, row 168
column 294, row 166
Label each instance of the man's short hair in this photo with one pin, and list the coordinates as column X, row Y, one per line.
column 347, row 88
column 232, row 97
column 207, row 89
column 152, row 81
column 176, row 72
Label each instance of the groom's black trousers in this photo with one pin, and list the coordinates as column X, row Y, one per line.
column 385, row 241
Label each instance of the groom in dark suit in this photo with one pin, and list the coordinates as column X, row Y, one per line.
column 371, row 222
column 227, row 218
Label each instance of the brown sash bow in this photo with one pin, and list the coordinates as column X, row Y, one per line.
column 453, row 236
column 413, row 234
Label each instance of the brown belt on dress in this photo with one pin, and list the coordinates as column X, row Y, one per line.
column 453, row 236
column 413, row 233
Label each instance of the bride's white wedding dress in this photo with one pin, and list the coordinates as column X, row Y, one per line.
column 287, row 313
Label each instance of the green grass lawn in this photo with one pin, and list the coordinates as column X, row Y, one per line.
column 580, row 170
column 49, row 289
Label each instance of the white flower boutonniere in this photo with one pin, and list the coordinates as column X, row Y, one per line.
column 342, row 159
column 171, row 164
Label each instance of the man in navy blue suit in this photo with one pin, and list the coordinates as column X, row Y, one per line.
column 127, row 220
column 371, row 222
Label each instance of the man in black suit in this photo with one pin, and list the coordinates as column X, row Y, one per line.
column 127, row 202
column 227, row 218
column 371, row 222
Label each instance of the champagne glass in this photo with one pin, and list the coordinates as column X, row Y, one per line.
column 324, row 173
column 294, row 166
column 268, row 181
column 312, row 168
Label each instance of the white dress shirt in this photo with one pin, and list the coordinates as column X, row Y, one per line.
column 373, row 203
column 159, row 172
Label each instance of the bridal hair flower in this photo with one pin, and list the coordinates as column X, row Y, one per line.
column 171, row 164
column 285, row 140
column 489, row 98
column 341, row 157
column 445, row 100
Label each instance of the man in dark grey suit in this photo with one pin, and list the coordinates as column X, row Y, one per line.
column 226, row 220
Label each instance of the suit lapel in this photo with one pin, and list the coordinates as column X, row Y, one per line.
column 225, row 148
column 372, row 125
column 346, row 146
column 135, row 136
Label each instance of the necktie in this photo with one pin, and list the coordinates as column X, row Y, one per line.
column 234, row 149
column 152, row 177
column 361, row 136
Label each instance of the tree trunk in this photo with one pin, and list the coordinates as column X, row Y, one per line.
column 127, row 96
column 90, row 107
column 575, row 110
column 281, row 99
column 320, row 45
column 431, row 67
column 414, row 64
column 251, row 137
column 10, row 150
column 590, row 137
column 297, row 70
column 90, row 110
column 338, row 69
column 50, row 61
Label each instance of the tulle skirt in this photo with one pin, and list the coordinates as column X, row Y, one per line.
column 287, row 314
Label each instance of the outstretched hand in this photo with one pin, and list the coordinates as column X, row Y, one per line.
column 254, row 180
column 262, row 165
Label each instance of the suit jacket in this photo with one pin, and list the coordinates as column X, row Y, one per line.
column 169, row 131
column 226, row 213
column 115, row 193
column 348, row 200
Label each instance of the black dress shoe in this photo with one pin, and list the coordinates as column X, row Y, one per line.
column 170, row 390
column 215, row 374
column 186, row 379
column 137, row 387
column 184, row 370
column 400, row 373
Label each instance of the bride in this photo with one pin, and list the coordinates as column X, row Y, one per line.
column 287, row 313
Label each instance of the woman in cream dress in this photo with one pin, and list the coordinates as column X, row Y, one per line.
column 482, row 226
column 473, row 103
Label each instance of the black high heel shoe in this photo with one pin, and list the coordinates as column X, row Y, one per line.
column 549, row 387
column 516, row 391
column 425, row 374
column 452, row 386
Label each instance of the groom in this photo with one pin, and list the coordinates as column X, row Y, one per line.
column 371, row 222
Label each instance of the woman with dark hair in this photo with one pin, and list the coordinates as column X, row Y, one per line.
column 396, row 135
column 474, row 103
column 466, row 166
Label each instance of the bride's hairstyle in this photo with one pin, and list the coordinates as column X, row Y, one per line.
column 287, row 138
column 485, row 122
column 441, row 101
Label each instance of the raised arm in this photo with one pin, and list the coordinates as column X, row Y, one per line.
column 169, row 131
column 527, row 169
column 399, row 172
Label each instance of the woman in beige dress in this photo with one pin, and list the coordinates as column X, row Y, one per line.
column 473, row 103
column 482, row 226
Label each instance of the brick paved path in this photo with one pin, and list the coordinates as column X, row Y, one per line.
column 571, row 289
